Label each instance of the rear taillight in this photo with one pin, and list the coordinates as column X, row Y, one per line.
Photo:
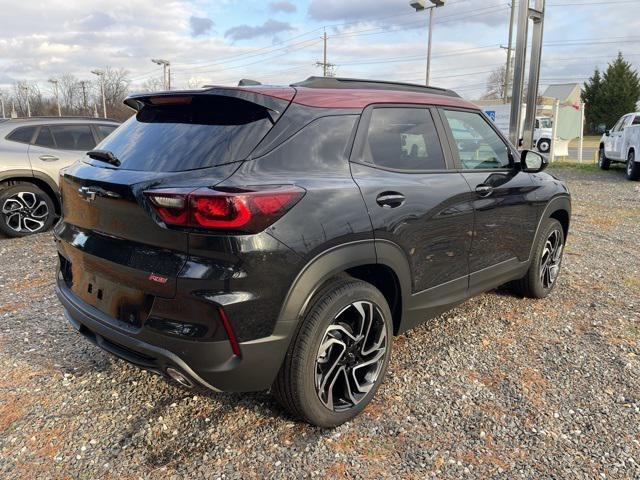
column 246, row 210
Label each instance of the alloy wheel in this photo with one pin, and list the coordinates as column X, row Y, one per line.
column 551, row 259
column 25, row 212
column 630, row 161
column 351, row 356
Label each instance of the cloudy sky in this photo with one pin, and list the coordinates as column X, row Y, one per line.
column 279, row 41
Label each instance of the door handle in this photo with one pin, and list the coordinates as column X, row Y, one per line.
column 484, row 190
column 390, row 199
column 48, row 158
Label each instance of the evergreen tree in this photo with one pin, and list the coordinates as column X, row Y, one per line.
column 591, row 96
column 609, row 96
column 620, row 90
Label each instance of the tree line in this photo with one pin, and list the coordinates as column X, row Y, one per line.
column 77, row 97
column 609, row 95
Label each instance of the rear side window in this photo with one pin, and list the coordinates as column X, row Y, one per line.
column 105, row 130
column 22, row 134
column 403, row 139
column 209, row 130
column 44, row 138
column 73, row 137
column 478, row 145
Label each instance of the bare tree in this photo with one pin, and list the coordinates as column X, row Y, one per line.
column 153, row 84
column 70, row 94
column 496, row 83
column 116, row 89
column 36, row 104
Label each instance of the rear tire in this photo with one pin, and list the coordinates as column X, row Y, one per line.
column 339, row 355
column 633, row 167
column 603, row 162
column 546, row 262
column 25, row 210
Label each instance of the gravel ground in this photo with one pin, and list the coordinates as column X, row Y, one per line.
column 501, row 387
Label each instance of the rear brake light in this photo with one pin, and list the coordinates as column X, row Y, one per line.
column 246, row 210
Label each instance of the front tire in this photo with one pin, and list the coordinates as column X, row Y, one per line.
column 545, row 263
column 603, row 162
column 633, row 167
column 544, row 145
column 339, row 356
column 25, row 210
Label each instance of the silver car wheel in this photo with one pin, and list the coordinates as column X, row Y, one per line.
column 351, row 356
column 25, row 212
column 551, row 259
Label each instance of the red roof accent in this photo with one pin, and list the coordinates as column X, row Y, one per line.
column 360, row 98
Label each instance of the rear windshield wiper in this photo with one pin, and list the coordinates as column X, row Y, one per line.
column 104, row 156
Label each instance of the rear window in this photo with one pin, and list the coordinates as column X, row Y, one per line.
column 209, row 130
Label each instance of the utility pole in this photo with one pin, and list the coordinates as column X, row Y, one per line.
column 55, row 86
column 326, row 66
column 83, row 84
column 100, row 74
column 507, row 75
column 324, row 60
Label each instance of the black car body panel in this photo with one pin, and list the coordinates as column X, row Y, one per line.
column 222, row 306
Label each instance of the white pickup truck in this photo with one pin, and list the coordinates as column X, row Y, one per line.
column 622, row 144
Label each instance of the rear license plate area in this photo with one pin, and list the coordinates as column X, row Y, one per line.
column 128, row 306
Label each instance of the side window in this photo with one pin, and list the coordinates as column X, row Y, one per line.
column 618, row 126
column 22, row 134
column 403, row 138
column 636, row 120
column 44, row 138
column 478, row 145
column 105, row 130
column 73, row 137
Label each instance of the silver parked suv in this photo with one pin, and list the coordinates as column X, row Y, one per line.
column 32, row 152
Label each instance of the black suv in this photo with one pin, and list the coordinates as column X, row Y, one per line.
column 279, row 237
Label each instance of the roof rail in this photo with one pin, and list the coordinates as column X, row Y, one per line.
column 346, row 83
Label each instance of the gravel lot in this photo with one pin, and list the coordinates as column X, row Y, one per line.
column 500, row 387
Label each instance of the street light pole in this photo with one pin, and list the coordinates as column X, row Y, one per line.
column 2, row 104
column 100, row 74
column 55, row 86
column 26, row 93
column 418, row 5
column 166, row 68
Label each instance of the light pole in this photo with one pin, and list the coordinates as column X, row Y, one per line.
column 55, row 86
column 166, row 69
column 419, row 5
column 2, row 104
column 26, row 94
column 100, row 74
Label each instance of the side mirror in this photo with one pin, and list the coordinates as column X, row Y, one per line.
column 533, row 162
column 607, row 133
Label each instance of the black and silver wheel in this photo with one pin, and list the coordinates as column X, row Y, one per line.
column 603, row 162
column 544, row 145
column 25, row 210
column 339, row 356
column 545, row 263
column 633, row 167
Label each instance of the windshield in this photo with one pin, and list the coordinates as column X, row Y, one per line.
column 545, row 123
column 207, row 130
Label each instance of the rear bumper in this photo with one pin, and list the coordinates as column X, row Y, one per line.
column 210, row 364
